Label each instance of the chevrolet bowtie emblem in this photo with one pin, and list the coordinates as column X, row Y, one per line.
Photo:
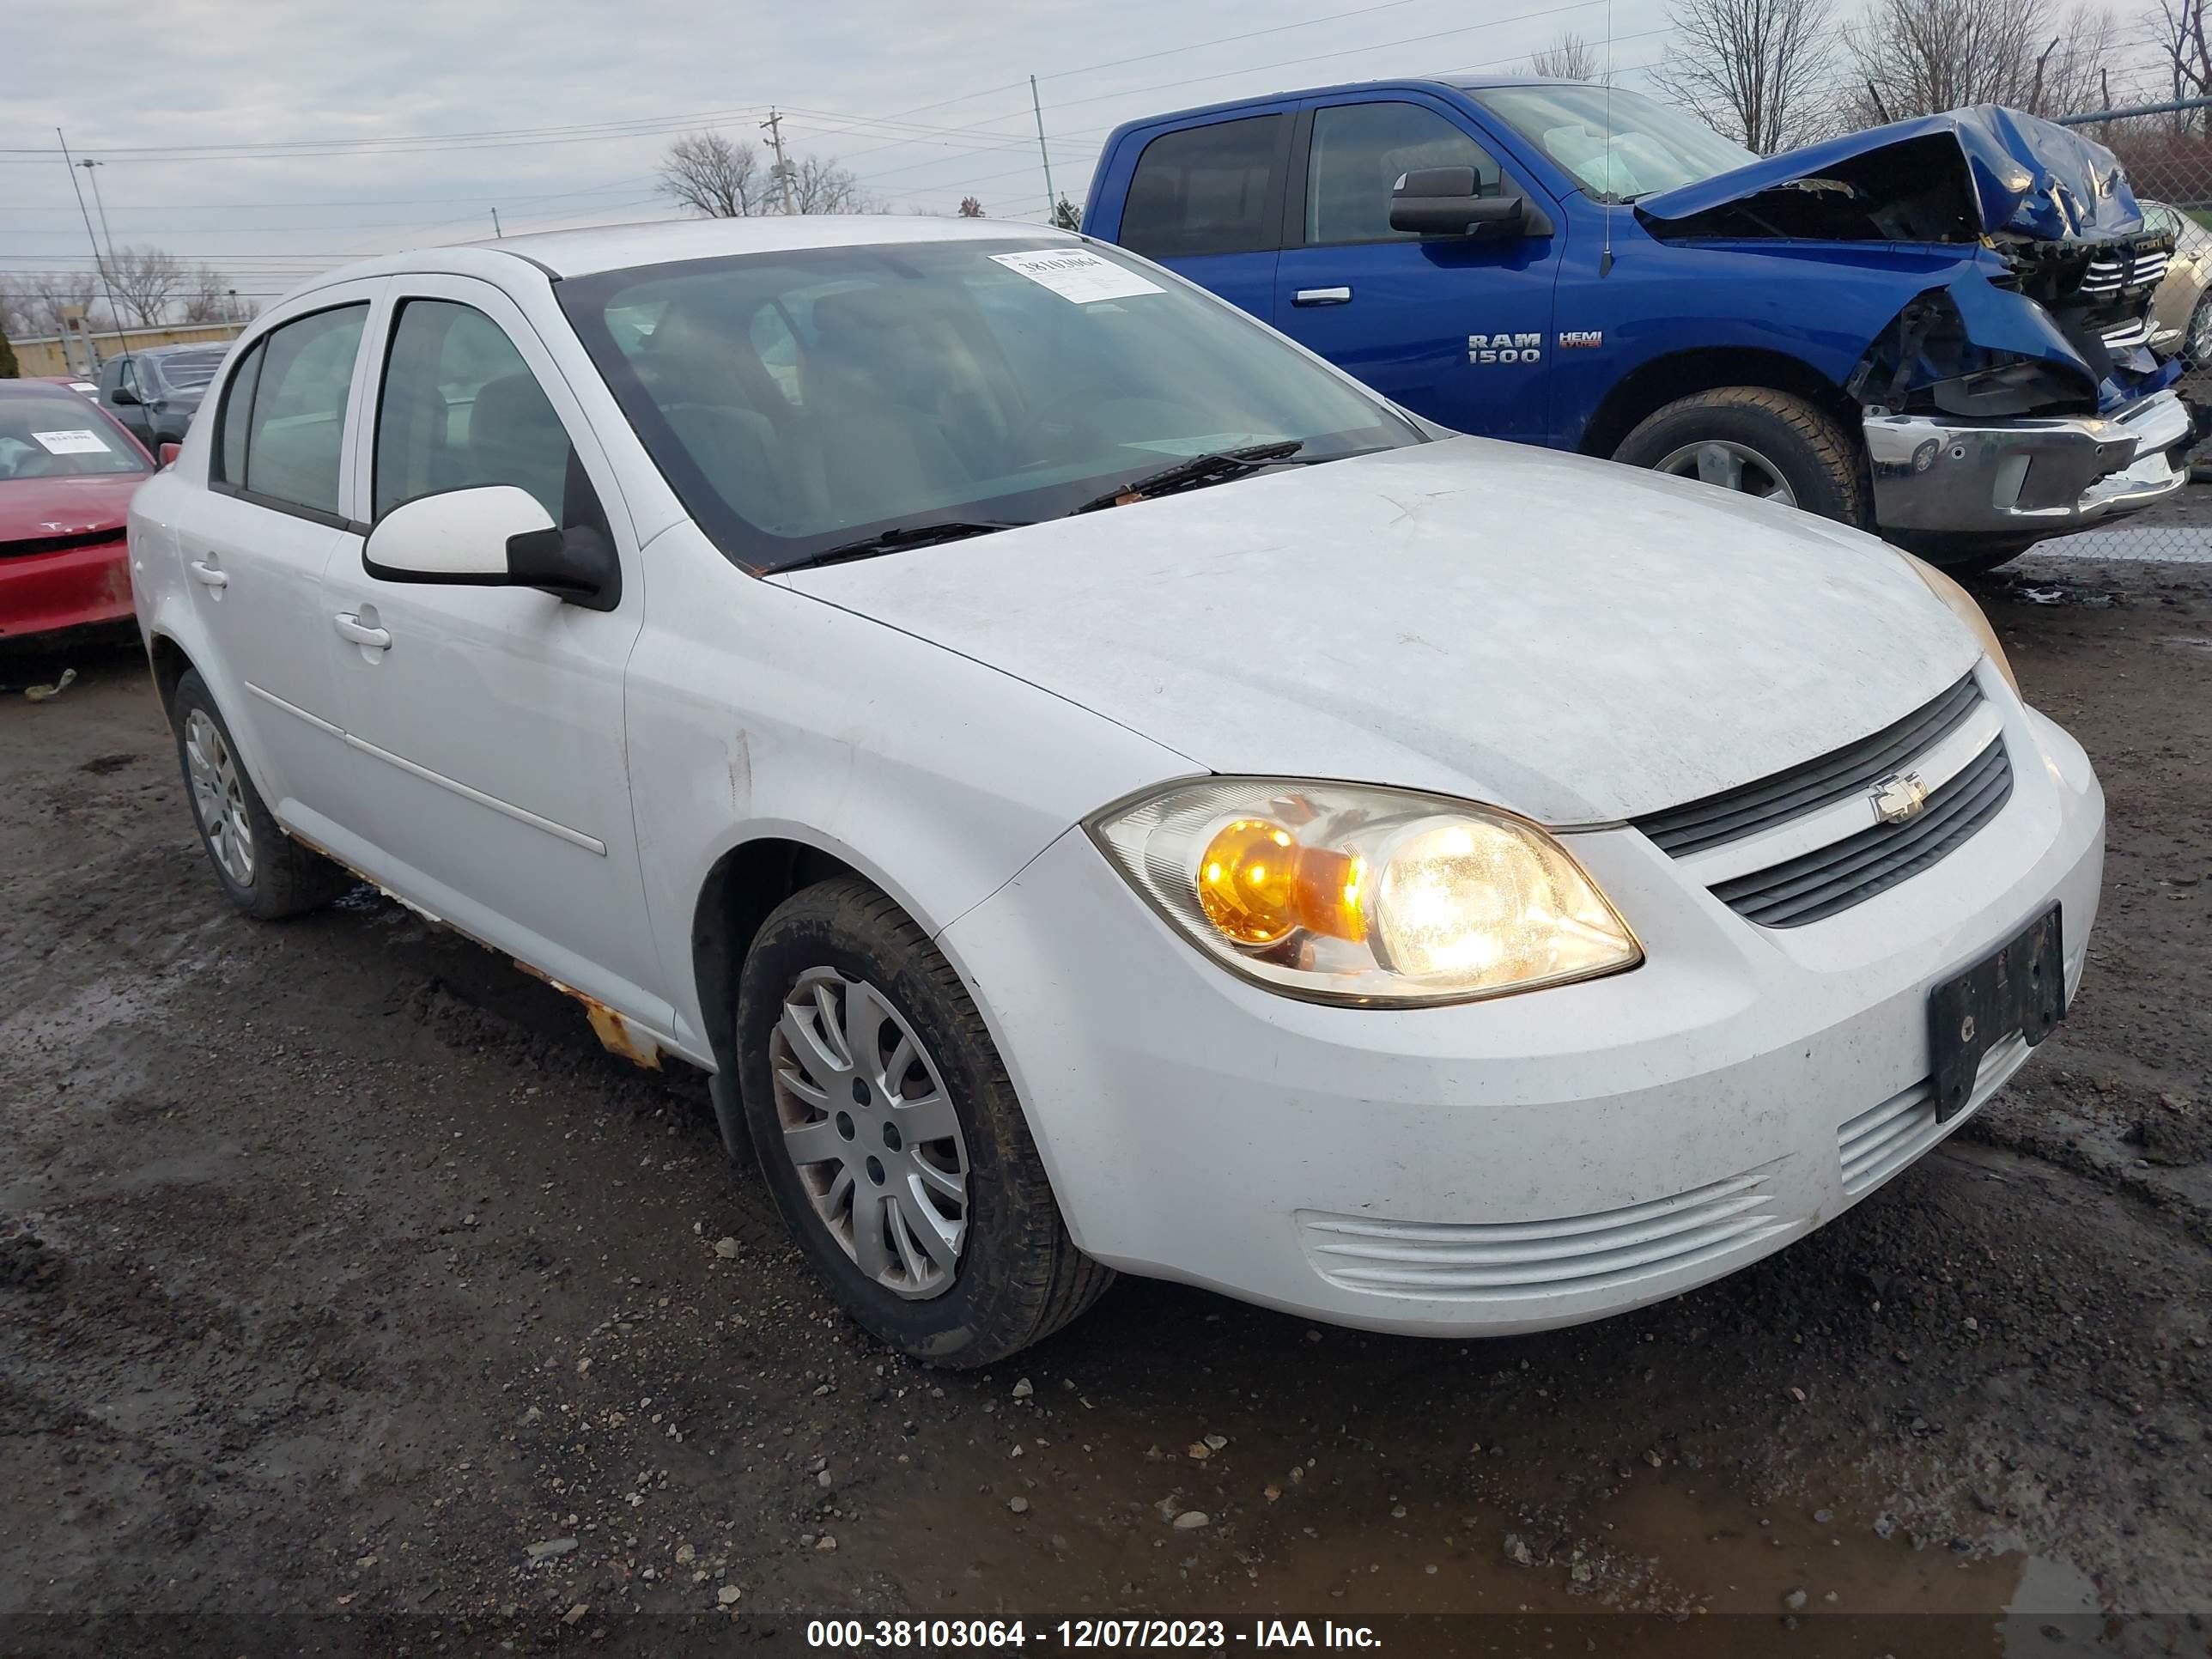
column 1899, row 796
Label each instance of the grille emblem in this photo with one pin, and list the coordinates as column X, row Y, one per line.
column 1899, row 796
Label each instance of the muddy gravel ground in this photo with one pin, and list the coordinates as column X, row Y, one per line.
column 345, row 1281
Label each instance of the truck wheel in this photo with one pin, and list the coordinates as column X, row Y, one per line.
column 890, row 1138
column 264, row 871
column 1761, row 442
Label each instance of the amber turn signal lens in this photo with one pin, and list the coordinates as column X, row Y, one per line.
column 1256, row 883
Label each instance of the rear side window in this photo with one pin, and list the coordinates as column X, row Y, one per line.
column 1208, row 190
column 461, row 409
column 283, row 420
column 1360, row 151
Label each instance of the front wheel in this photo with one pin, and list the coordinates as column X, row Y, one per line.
column 1757, row 441
column 891, row 1137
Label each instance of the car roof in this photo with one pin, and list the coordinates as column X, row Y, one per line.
column 1415, row 82
column 561, row 253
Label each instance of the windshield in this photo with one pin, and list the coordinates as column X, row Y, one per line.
column 188, row 369
column 800, row 401
column 1617, row 145
column 57, row 435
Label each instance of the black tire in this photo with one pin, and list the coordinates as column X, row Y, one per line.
column 1963, row 555
column 1806, row 446
column 285, row 878
column 1019, row 1277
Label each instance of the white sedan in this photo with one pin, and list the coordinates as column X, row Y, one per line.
column 1097, row 787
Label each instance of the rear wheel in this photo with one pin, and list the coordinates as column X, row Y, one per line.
column 265, row 872
column 890, row 1138
column 1757, row 441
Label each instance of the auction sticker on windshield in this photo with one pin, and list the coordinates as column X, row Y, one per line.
column 77, row 442
column 1077, row 275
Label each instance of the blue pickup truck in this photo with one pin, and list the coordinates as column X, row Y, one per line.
column 1936, row 328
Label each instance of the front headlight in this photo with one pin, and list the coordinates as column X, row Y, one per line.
column 1342, row 893
column 1964, row 608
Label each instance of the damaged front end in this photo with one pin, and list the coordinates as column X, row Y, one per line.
column 2019, row 397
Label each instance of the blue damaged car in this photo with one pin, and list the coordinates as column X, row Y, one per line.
column 1937, row 329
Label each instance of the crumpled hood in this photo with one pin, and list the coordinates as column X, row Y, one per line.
column 1575, row 641
column 31, row 509
column 2017, row 172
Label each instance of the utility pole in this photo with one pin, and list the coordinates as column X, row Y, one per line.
column 115, row 312
column 1051, row 201
column 773, row 127
column 497, row 234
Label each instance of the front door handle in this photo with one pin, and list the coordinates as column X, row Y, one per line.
column 350, row 627
column 207, row 575
column 1322, row 296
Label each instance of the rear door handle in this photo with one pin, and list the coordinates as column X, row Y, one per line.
column 349, row 627
column 1322, row 296
column 207, row 575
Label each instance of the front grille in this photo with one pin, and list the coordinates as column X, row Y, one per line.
column 31, row 545
column 1853, row 869
column 2128, row 334
column 1540, row 1258
column 1734, row 813
column 2115, row 272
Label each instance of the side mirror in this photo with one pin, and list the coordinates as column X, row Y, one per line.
column 123, row 397
column 1446, row 202
column 493, row 536
column 169, row 452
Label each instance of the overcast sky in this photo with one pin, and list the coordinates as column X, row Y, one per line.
column 275, row 138
column 925, row 103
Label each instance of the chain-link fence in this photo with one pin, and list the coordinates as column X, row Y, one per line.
column 2167, row 151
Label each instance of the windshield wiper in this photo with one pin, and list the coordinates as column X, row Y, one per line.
column 1217, row 467
column 898, row 538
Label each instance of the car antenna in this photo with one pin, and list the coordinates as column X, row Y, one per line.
column 1605, row 259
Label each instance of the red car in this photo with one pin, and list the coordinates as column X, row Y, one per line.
column 67, row 474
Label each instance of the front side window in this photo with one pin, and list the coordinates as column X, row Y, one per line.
column 799, row 401
column 1358, row 153
column 461, row 409
column 283, row 420
column 52, row 434
column 1616, row 145
column 1208, row 190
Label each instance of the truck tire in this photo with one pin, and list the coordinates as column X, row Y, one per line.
column 1767, row 443
column 890, row 1138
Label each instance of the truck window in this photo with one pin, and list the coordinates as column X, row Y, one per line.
column 1357, row 153
column 1206, row 190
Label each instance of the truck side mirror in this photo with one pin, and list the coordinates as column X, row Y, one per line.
column 1446, row 201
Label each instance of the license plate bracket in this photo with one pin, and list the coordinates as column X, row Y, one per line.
column 2021, row 986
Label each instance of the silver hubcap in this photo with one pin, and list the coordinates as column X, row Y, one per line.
column 2196, row 345
column 870, row 1128
column 1732, row 466
column 219, row 795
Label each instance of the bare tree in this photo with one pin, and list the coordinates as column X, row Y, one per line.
column 1752, row 69
column 209, row 298
column 1569, row 57
column 35, row 305
column 2177, row 29
column 714, row 177
column 820, row 186
column 144, row 279
column 1917, row 56
column 970, row 208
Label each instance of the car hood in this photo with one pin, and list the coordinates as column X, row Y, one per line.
column 34, row 508
column 2009, row 170
column 1575, row 641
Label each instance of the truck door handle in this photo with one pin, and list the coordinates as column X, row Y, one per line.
column 207, row 575
column 1322, row 296
column 349, row 627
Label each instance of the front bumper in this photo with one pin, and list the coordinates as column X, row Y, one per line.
column 77, row 587
column 2033, row 475
column 1525, row 1163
